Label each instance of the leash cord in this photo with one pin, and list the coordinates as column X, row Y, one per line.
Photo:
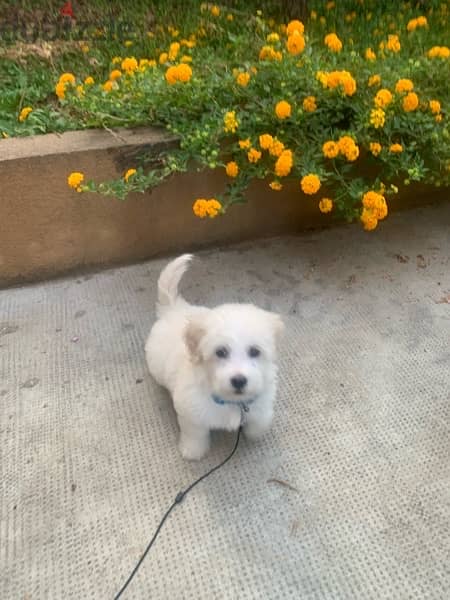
column 178, row 499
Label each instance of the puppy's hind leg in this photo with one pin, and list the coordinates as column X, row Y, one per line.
column 194, row 439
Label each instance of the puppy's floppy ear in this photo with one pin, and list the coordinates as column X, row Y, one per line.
column 193, row 333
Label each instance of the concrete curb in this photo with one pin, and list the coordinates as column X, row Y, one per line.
column 47, row 229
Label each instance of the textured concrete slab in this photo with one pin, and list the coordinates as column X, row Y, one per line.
column 362, row 430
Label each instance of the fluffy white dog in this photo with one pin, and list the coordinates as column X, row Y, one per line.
column 216, row 363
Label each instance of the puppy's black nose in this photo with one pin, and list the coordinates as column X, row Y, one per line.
column 239, row 382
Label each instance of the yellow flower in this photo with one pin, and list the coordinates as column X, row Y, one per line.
column 80, row 91
column 326, row 205
column 163, row 58
column 89, row 81
column 369, row 220
column 129, row 64
column 186, row 58
column 414, row 23
column 24, row 113
column 253, row 155
column 174, row 48
column 128, row 174
column 374, row 209
column 410, row 102
column 439, row 52
column 309, row 104
column 284, row 163
column 215, row 11
column 295, row 26
column 230, row 121
column 243, row 79
column 295, row 43
column 108, row 86
column 276, row 147
column 393, row 43
column 330, row 5
column 206, row 208
column 375, row 148
column 115, row 74
column 330, row 149
column 276, row 185
column 338, row 78
column 374, row 80
column 85, row 48
column 348, row 148
column 244, row 144
column 60, row 90
column 230, row 17
column 313, row 15
column 396, row 148
column 310, row 184
column 370, row 54
column 272, row 38
column 268, row 53
column 404, row 85
column 128, row 43
column 383, row 98
column 435, row 106
column 116, row 60
column 74, row 180
column 438, row 118
column 232, row 169
column 176, row 73
column 283, row 109
column 333, row 42
column 265, row 141
column 67, row 78
column 377, row 117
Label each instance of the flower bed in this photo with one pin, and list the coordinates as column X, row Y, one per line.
column 350, row 106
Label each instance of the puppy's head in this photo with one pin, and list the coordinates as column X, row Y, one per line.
column 235, row 344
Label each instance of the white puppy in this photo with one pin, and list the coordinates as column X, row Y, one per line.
column 216, row 363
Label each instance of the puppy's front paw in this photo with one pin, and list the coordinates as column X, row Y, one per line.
column 193, row 449
column 255, row 430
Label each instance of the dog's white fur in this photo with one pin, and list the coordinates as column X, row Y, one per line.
column 181, row 355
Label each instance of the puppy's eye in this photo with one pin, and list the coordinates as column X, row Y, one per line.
column 222, row 352
column 254, row 352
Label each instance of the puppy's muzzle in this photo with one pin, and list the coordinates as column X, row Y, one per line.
column 239, row 382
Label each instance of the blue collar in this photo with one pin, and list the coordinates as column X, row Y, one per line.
column 244, row 404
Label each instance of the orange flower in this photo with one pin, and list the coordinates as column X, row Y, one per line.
column 309, row 104
column 232, row 169
column 265, row 141
column 283, row 109
column 404, row 85
column 310, row 184
column 396, row 148
column 284, row 163
column 295, row 26
column 375, row 148
column 330, row 149
column 333, row 42
column 383, row 98
column 410, row 102
column 326, row 205
column 253, row 155
column 295, row 43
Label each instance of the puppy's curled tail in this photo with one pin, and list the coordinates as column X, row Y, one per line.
column 168, row 282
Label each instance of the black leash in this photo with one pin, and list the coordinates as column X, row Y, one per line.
column 178, row 499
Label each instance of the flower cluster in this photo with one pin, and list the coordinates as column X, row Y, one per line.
column 178, row 73
column 413, row 24
column 374, row 209
column 332, row 107
column 333, row 42
column 206, row 208
column 332, row 80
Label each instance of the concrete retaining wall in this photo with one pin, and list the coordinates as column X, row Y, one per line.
column 48, row 229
